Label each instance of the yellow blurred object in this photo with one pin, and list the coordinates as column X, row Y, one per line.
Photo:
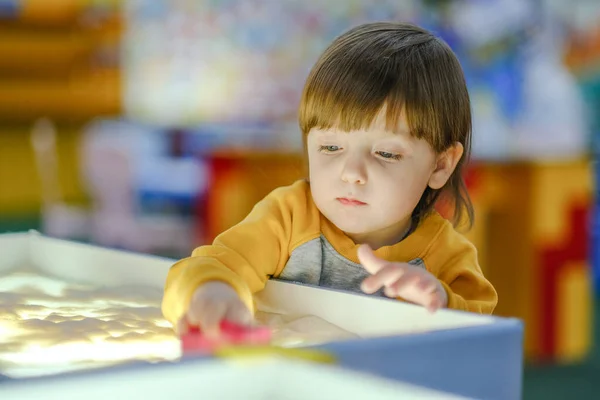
column 20, row 187
column 59, row 59
column 58, row 12
column 54, row 52
column 574, row 322
column 80, row 97
column 55, row 11
column 32, row 51
column 254, row 352
column 532, row 232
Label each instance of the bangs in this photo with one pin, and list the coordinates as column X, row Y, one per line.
column 415, row 76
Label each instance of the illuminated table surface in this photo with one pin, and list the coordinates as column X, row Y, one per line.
column 50, row 326
column 66, row 306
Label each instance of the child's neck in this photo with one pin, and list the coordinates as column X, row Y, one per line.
column 384, row 237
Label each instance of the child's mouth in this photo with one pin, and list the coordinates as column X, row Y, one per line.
column 350, row 202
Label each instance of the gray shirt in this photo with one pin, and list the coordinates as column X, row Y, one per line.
column 317, row 263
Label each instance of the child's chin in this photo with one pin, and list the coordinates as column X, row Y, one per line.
column 352, row 227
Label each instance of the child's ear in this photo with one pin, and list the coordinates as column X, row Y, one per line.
column 445, row 165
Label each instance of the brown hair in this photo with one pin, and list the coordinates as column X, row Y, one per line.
column 402, row 67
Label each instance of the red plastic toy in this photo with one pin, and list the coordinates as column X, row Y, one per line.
column 194, row 341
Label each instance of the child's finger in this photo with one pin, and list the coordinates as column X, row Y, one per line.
column 435, row 304
column 406, row 283
column 182, row 326
column 427, row 285
column 369, row 260
column 390, row 292
column 385, row 277
column 239, row 314
column 210, row 316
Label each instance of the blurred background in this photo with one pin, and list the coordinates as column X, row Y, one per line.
column 153, row 125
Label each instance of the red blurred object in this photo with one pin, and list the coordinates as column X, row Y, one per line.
column 194, row 341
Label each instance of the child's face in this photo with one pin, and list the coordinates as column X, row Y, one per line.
column 368, row 182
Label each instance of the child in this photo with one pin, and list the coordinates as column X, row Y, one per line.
column 386, row 122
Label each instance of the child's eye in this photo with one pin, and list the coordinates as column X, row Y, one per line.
column 388, row 156
column 329, row 149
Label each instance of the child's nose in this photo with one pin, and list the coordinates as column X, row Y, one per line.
column 354, row 171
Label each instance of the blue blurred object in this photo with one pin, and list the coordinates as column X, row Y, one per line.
column 9, row 8
column 590, row 87
column 505, row 77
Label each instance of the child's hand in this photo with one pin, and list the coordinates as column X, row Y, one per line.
column 212, row 303
column 412, row 283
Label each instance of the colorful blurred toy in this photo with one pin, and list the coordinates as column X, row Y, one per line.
column 195, row 342
column 245, row 342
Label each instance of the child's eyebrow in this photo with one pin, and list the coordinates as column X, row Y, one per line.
column 401, row 131
column 403, row 137
column 403, row 141
column 325, row 133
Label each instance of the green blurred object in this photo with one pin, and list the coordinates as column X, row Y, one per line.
column 20, row 223
column 578, row 381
